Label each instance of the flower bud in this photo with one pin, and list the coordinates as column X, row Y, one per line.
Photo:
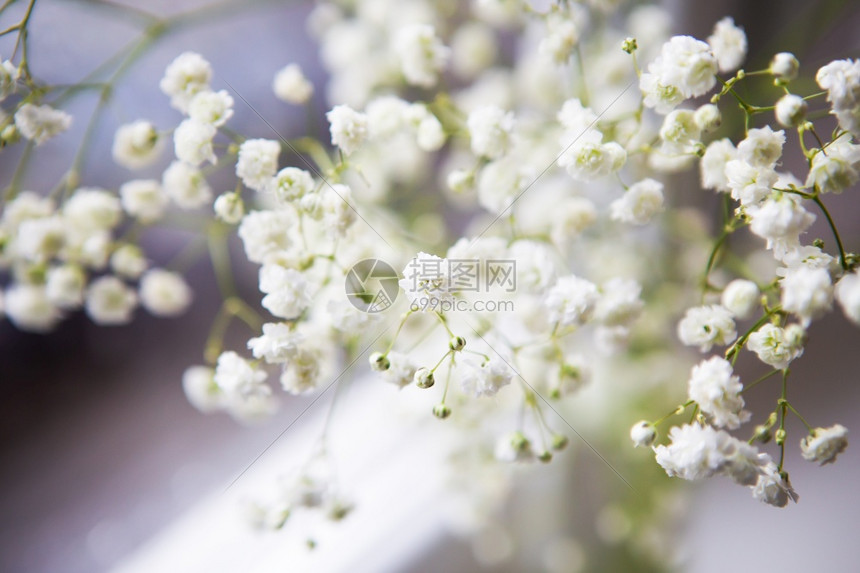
column 441, row 411
column 559, row 442
column 457, row 343
column 780, row 437
column 379, row 362
column 784, row 67
column 629, row 45
column 643, row 434
column 545, row 457
column 741, row 297
column 790, row 110
column 762, row 434
column 424, row 378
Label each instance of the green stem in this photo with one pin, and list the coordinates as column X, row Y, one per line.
column 842, row 259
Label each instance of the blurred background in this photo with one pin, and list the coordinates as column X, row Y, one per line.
column 100, row 451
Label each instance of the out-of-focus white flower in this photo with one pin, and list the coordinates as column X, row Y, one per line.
column 164, row 293
column 211, row 108
column 588, row 158
column 266, row 234
column 490, row 131
column 706, row 326
column 837, row 169
column 841, row 79
column 128, row 261
column 806, row 292
column 277, row 344
column 198, row 383
column 229, row 207
column 486, row 379
column 771, row 488
column 186, row 185
column 144, row 199
column 110, row 301
column 729, row 44
column 713, row 164
column 790, row 110
column 822, row 445
column 571, row 301
column 619, row 303
column 639, row 203
column 287, row 291
column 92, row 209
column 740, row 297
column 236, row 377
column 136, row 145
column 643, row 434
column 185, row 77
column 257, row 163
column 65, row 285
column 848, row 295
column 39, row 123
column 348, row 128
column 421, row 54
column 292, row 183
column 291, row 85
column 29, row 308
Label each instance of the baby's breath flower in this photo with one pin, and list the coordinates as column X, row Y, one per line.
column 186, row 186
column 421, row 53
column 136, row 145
column 109, row 301
column 185, row 77
column 822, row 445
column 164, row 293
column 144, row 199
column 716, row 390
column 490, row 131
column 729, row 44
column 39, row 123
column 348, row 128
column 706, row 326
column 639, row 203
column 257, row 163
column 291, row 86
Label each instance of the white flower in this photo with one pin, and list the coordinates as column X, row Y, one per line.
column 705, row 326
column 110, row 301
column 136, row 144
column 401, row 369
column 9, row 75
column 486, row 379
column 40, row 239
column 661, row 97
column 304, row 371
column 277, row 344
column 775, row 346
column 430, row 135
column 619, row 303
column 570, row 218
column 729, row 44
column 257, row 163
column 695, row 452
column 427, row 281
column 575, row 117
column 287, row 291
column 588, row 158
column 784, row 66
column 571, row 301
column 292, row 183
column 822, row 445
column 643, row 434
column 164, row 293
column 490, row 131
column 291, row 86
column 186, row 186
column 686, row 64
column 27, row 205
column 708, row 117
column 128, row 261
column 337, row 212
column 65, row 286
column 192, row 142
column 837, row 169
column 771, row 488
column 790, row 110
column 266, row 234
column 30, row 309
column 211, row 108
column 841, row 79
column 740, row 297
column 502, row 181
column 421, row 54
column 806, row 292
column 144, row 199
column 185, row 77
column 92, row 209
column 748, row 183
column 716, row 390
column 200, row 389
column 348, row 128
column 639, row 203
column 39, row 123
column 237, row 378
column 780, row 219
column 386, row 116
column 229, row 207
column 762, row 147
column 713, row 164
column 848, row 295
column 679, row 132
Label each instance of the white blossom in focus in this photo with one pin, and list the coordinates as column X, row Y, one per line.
column 211, row 108
column 716, row 390
column 257, row 163
column 822, row 445
column 185, row 77
column 706, row 326
column 729, row 44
